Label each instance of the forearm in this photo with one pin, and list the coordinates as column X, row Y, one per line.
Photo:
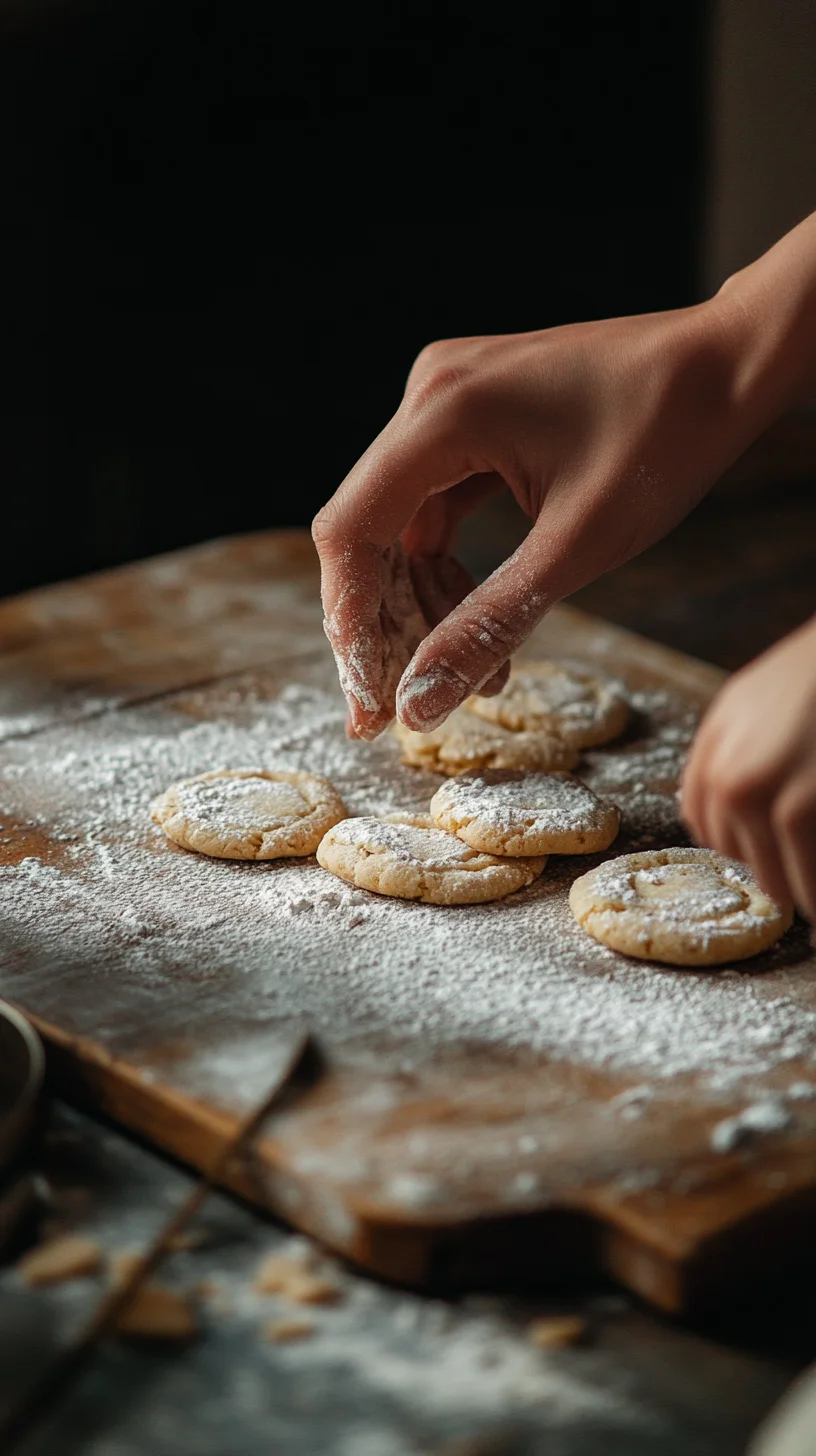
column 768, row 314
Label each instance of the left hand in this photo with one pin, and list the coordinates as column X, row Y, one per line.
column 749, row 790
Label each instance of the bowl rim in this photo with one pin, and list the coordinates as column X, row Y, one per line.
column 31, row 1086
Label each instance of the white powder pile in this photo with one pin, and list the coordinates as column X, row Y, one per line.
column 112, row 928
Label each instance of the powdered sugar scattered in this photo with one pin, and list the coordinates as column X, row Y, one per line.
column 505, row 800
column 407, row 843
column 257, row 804
column 694, row 891
column 137, row 924
column 761, row 1117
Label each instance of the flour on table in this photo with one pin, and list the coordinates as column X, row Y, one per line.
column 130, row 922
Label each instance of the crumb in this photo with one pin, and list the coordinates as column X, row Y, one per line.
column 68, row 1256
column 558, row 1331
column 281, row 1331
column 309, row 1288
column 156, row 1313
column 276, row 1271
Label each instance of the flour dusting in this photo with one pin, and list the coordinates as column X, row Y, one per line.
column 264, row 943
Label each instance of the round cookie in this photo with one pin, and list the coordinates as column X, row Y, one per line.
column 510, row 813
column 407, row 856
column 574, row 702
column 687, row 907
column 249, row 813
column 465, row 743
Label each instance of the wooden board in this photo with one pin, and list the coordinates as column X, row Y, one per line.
column 425, row 1144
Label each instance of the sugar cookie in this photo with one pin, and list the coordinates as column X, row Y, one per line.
column 574, row 702
column 688, row 907
column 407, row 856
column 249, row 813
column 507, row 812
column 465, row 743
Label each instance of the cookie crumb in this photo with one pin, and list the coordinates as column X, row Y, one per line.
column 277, row 1271
column 68, row 1256
column 282, row 1331
column 558, row 1332
column 309, row 1288
column 157, row 1313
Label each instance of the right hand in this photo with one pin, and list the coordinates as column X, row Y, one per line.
column 606, row 434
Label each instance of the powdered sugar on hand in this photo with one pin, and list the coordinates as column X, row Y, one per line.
column 372, row 652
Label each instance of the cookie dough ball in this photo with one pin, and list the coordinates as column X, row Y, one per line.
column 687, row 907
column 249, row 813
column 409, row 857
column 465, row 743
column 510, row 813
column 580, row 706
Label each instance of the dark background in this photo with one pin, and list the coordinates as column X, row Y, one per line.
column 229, row 228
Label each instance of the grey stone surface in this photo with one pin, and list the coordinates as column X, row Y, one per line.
column 386, row 1373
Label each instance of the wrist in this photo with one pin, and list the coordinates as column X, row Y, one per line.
column 767, row 313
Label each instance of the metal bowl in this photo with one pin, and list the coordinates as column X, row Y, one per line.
column 22, row 1069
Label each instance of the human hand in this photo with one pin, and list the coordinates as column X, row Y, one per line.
column 606, row 434
column 749, row 788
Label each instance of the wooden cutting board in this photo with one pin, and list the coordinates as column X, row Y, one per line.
column 493, row 1097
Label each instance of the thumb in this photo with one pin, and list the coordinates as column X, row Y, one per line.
column 476, row 639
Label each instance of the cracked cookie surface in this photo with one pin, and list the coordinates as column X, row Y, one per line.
column 409, row 857
column 687, row 907
column 249, row 813
column 466, row 743
column 513, row 813
column 581, row 706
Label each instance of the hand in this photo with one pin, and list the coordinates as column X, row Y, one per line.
column 749, row 789
column 606, row 433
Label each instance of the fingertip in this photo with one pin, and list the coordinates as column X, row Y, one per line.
column 426, row 699
column 496, row 683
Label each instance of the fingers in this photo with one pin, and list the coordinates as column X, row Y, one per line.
column 728, row 805
column 795, row 824
column 372, row 643
column 433, row 528
column 370, row 621
column 756, row 846
column 494, row 684
column 474, row 642
column 417, row 456
column 440, row 583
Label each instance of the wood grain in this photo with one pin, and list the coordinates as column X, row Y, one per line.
column 194, row 637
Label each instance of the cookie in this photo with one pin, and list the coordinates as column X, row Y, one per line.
column 687, row 907
column 580, row 706
column 507, row 812
column 465, row 743
column 249, row 813
column 407, row 856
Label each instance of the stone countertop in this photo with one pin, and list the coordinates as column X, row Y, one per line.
column 385, row 1373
